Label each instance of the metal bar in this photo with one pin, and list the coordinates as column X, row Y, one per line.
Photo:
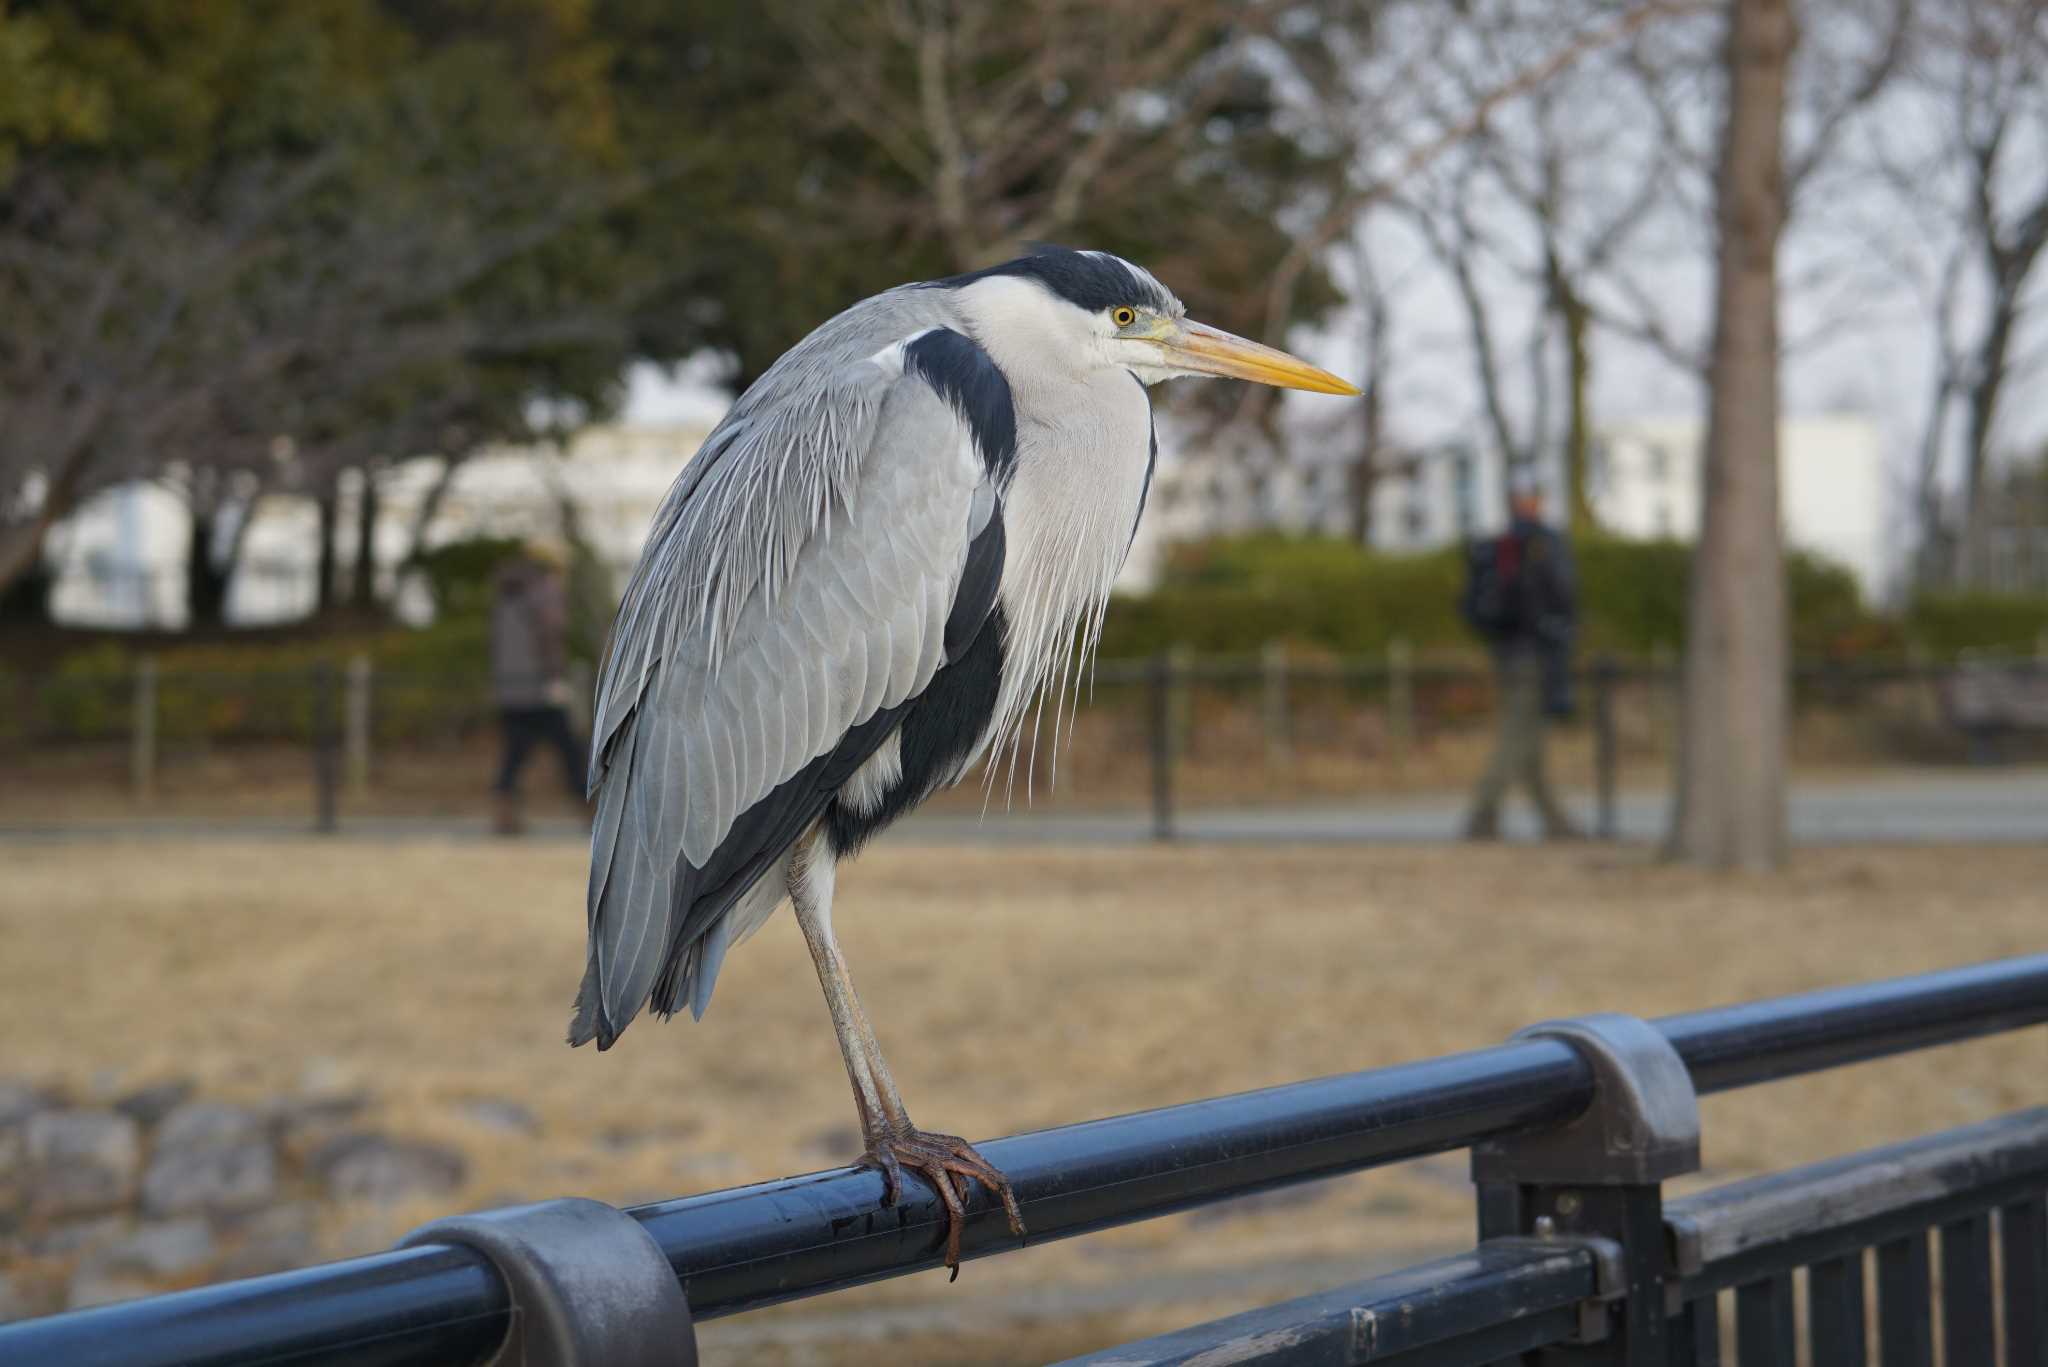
column 1473, row 1308
column 754, row 1246
column 326, row 756
column 2023, row 1248
column 142, row 732
column 806, row 1235
column 1605, row 748
column 1966, row 1312
column 1162, row 746
column 1763, row 1323
column 430, row 1305
column 1696, row 1334
column 1905, row 1309
column 1834, row 1312
column 1738, row 1046
column 1823, row 1209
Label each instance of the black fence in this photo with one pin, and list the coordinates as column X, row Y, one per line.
column 1574, row 1127
column 1163, row 734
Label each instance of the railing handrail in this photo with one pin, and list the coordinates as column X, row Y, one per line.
column 746, row 1247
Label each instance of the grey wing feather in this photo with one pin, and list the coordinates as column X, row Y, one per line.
column 718, row 712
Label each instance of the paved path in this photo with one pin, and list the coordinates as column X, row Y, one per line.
column 2004, row 806
column 2007, row 806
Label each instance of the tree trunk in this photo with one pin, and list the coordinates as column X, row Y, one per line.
column 206, row 577
column 1729, row 808
column 1988, row 381
column 1575, row 322
column 362, row 594
column 330, row 534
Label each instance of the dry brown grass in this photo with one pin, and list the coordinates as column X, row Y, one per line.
column 1013, row 989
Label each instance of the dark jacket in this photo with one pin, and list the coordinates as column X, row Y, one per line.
column 1522, row 595
column 529, row 620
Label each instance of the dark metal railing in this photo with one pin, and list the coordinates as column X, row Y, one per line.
column 740, row 1249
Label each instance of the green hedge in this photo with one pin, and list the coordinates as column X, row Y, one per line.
column 1948, row 623
column 1231, row 596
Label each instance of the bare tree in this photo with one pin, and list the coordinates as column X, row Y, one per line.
column 1979, row 76
column 1730, row 799
column 1534, row 207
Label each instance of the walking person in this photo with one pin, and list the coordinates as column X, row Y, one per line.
column 1521, row 596
column 530, row 676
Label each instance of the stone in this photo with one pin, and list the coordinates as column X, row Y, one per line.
column 501, row 1116
column 374, row 1167
column 149, row 1105
column 275, row 1240
column 20, row 1100
column 212, row 1179
column 164, row 1248
column 207, row 1124
column 13, row 1303
column 78, row 1236
column 82, row 1160
column 308, row 1121
column 92, row 1286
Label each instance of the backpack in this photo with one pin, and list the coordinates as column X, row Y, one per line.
column 1496, row 598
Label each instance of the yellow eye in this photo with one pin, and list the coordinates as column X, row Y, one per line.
column 1123, row 316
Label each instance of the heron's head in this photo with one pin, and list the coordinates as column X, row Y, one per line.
column 1061, row 310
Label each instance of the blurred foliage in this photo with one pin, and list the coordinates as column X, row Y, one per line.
column 1949, row 623
column 353, row 231
column 460, row 573
column 1231, row 596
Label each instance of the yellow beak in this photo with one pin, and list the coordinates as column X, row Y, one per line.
column 1212, row 351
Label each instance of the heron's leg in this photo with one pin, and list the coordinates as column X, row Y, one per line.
column 810, row 890
column 893, row 1143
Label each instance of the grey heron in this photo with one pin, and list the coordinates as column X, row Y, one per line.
column 894, row 546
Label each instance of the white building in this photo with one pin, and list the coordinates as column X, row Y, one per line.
column 1832, row 491
column 1645, row 482
column 120, row 560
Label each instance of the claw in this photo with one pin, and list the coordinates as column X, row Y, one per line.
column 941, row 1159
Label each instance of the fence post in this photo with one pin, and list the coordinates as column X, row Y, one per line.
column 142, row 731
column 326, row 762
column 356, row 723
column 1400, row 697
column 1664, row 696
column 1273, row 704
column 1604, row 747
column 1598, row 1182
column 1163, row 688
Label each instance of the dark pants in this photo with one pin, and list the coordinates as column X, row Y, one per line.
column 525, row 727
column 1518, row 753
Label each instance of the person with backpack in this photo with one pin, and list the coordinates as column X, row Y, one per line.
column 530, row 675
column 1521, row 596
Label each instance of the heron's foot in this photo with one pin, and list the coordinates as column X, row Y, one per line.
column 943, row 1160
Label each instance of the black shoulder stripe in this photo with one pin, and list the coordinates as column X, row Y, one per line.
column 965, row 377
column 980, row 578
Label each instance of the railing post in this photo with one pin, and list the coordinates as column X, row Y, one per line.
column 326, row 762
column 590, row 1287
column 1400, row 698
column 1604, row 757
column 1273, row 704
column 1163, row 671
column 356, row 722
column 1599, row 1182
column 142, row 731
column 1664, row 688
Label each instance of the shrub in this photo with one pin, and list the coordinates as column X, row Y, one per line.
column 1231, row 596
column 1948, row 623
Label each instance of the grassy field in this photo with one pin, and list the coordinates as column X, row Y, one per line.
column 1013, row 989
